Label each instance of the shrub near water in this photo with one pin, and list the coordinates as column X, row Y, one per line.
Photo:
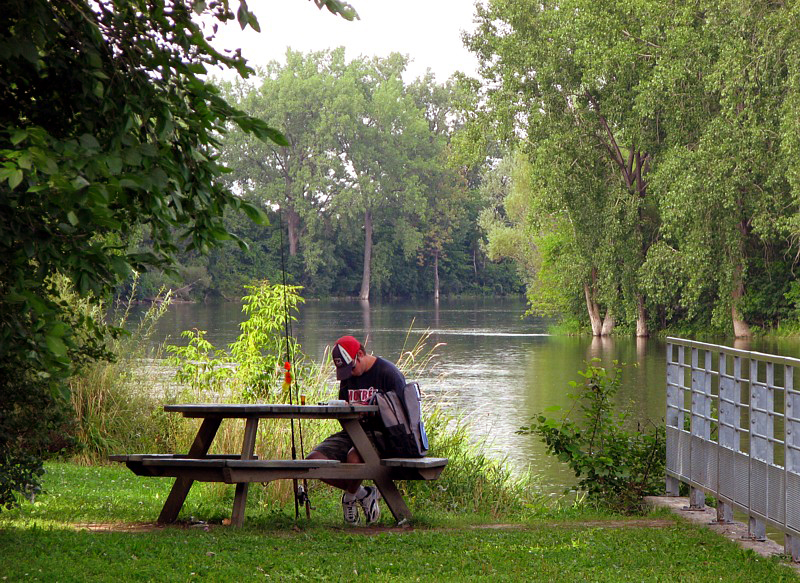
column 616, row 467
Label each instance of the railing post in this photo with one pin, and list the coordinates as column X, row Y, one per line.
column 728, row 436
column 759, row 444
column 791, row 543
column 674, row 417
column 701, row 416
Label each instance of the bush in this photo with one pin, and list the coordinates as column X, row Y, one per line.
column 616, row 467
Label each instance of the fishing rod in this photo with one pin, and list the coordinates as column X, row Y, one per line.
column 290, row 379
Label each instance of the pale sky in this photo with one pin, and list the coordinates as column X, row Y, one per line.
column 429, row 31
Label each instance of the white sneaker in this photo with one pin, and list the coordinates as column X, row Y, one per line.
column 369, row 503
column 350, row 511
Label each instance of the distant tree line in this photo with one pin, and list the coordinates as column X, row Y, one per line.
column 366, row 200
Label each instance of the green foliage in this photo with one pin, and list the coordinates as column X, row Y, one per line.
column 35, row 416
column 107, row 130
column 199, row 365
column 265, row 342
column 21, row 477
column 615, row 466
column 252, row 368
column 115, row 405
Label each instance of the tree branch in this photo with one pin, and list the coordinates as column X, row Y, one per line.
column 641, row 40
column 614, row 149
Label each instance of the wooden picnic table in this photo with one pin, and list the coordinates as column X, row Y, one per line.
column 243, row 468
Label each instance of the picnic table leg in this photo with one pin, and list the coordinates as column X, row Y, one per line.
column 394, row 500
column 181, row 487
column 248, row 446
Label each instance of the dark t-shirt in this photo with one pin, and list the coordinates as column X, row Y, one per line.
column 382, row 376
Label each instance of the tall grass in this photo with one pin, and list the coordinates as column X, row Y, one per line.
column 472, row 482
column 114, row 407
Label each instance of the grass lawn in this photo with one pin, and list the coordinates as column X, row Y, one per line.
column 94, row 524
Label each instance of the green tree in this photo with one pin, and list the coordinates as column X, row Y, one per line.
column 297, row 178
column 727, row 183
column 540, row 240
column 106, row 125
column 445, row 190
column 385, row 140
column 562, row 82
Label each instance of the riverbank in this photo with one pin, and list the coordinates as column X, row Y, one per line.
column 96, row 524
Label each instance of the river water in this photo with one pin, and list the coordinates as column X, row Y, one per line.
column 492, row 366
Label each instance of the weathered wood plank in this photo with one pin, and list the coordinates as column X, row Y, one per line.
column 423, row 462
column 184, row 463
column 276, row 411
column 138, row 457
column 287, row 464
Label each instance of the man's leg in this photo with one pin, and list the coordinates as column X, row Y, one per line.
column 340, row 446
column 346, row 485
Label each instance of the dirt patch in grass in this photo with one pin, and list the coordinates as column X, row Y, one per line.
column 630, row 523
column 117, row 526
column 372, row 529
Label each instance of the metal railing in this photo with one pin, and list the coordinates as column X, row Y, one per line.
column 733, row 432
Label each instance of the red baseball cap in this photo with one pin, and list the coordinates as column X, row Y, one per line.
column 344, row 356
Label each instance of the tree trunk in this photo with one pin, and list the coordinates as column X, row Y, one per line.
column 436, row 275
column 364, row 295
column 293, row 223
column 641, row 319
column 741, row 329
column 608, row 324
column 594, row 311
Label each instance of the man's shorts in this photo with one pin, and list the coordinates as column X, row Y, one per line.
column 339, row 444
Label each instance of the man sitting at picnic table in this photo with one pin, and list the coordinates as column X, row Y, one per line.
column 361, row 375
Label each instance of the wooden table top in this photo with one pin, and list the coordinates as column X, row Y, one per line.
column 271, row 410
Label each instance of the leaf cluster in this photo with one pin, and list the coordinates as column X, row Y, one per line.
column 616, row 467
column 251, row 369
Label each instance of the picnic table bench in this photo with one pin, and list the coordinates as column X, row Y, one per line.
column 243, row 468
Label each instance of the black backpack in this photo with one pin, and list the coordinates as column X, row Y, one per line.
column 400, row 416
